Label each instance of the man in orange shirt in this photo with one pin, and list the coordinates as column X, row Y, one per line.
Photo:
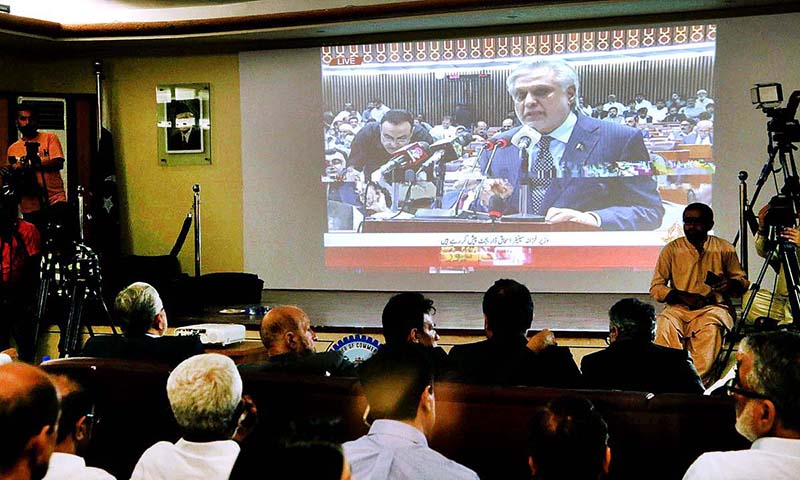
column 48, row 202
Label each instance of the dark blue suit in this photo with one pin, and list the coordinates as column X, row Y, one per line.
column 622, row 203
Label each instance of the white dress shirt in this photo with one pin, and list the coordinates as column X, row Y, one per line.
column 769, row 457
column 395, row 450
column 187, row 460
column 64, row 466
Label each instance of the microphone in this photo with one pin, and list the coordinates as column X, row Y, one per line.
column 411, row 176
column 524, row 157
column 409, row 156
column 496, row 207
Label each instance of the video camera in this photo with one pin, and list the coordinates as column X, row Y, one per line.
column 768, row 97
column 22, row 181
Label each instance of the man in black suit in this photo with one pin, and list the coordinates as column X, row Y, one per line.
column 408, row 318
column 633, row 362
column 287, row 335
column 141, row 315
column 505, row 357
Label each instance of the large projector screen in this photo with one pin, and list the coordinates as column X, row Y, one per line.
column 311, row 221
column 440, row 187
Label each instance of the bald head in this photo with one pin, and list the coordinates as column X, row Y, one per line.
column 287, row 329
column 29, row 410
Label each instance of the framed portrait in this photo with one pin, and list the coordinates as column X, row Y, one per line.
column 184, row 124
column 185, row 135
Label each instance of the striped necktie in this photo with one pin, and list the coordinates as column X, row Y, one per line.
column 541, row 174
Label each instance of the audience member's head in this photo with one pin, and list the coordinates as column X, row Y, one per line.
column 396, row 129
column 508, row 124
column 140, row 310
column 77, row 416
column 407, row 318
column 705, row 128
column 29, row 410
column 398, row 384
column 632, row 319
column 568, row 440
column 507, row 309
column 287, row 329
column 205, row 393
column 766, row 385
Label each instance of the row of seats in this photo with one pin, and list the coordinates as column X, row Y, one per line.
column 484, row 428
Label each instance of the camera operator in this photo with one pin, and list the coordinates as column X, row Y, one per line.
column 775, row 304
column 36, row 173
column 19, row 261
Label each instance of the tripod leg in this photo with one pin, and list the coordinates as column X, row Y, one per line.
column 791, row 271
column 73, row 328
column 41, row 299
column 724, row 355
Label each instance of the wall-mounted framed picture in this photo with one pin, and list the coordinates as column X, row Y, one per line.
column 184, row 125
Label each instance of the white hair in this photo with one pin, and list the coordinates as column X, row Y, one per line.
column 566, row 76
column 136, row 307
column 204, row 392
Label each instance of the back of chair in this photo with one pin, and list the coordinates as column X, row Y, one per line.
column 131, row 407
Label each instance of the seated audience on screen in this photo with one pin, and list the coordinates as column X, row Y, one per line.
column 505, row 358
column 634, row 123
column 674, row 116
column 633, row 362
column 205, row 393
column 289, row 339
column 703, row 134
column 29, row 408
column 420, row 120
column 398, row 382
column 676, row 101
column 74, row 434
column 507, row 124
column 613, row 116
column 696, row 276
column 444, row 130
column 702, row 99
column 568, row 439
column 408, row 318
column 141, row 315
column 686, row 129
column 639, row 102
column 692, row 109
column 659, row 111
column 613, row 103
column 481, row 130
column 765, row 387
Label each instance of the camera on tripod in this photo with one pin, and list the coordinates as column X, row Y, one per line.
column 768, row 97
column 781, row 215
column 23, row 180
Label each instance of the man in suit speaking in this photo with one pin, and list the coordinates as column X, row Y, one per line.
column 569, row 160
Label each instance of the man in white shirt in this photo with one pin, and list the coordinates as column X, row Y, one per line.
column 398, row 384
column 703, row 99
column 765, row 387
column 74, row 434
column 205, row 393
column 445, row 130
column 613, row 103
column 640, row 102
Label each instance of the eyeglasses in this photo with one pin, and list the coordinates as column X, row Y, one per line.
column 731, row 388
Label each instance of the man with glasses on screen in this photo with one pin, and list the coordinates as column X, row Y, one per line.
column 568, row 153
column 376, row 142
column 765, row 387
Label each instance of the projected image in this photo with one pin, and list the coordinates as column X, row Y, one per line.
column 564, row 151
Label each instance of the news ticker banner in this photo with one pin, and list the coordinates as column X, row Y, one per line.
column 540, row 250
